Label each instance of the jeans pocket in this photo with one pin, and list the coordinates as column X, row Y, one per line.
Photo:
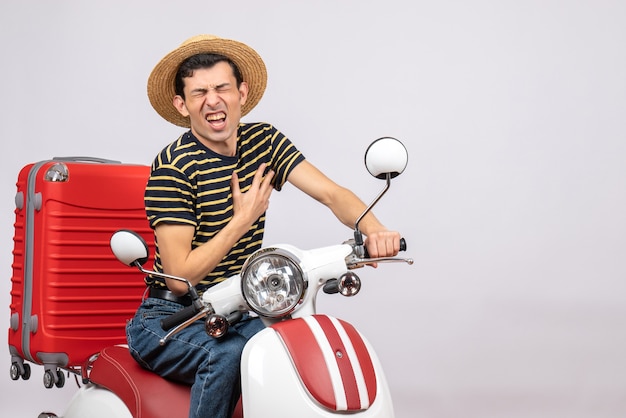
column 153, row 313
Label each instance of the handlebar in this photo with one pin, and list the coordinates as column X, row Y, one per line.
column 179, row 317
column 354, row 261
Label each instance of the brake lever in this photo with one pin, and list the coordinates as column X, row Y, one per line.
column 206, row 311
column 358, row 262
column 409, row 261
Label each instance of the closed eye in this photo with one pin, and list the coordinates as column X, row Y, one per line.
column 221, row 88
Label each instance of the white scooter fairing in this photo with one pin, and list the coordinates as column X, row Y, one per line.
column 322, row 366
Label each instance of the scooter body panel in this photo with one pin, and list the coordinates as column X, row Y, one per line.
column 267, row 364
column 96, row 402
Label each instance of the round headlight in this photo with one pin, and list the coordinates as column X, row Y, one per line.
column 272, row 282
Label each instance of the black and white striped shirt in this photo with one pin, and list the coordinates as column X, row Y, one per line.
column 190, row 184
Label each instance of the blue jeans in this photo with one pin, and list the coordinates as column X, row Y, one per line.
column 192, row 357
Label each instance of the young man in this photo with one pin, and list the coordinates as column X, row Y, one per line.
column 206, row 200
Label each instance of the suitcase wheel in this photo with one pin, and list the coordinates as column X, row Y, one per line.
column 16, row 373
column 53, row 378
column 61, row 379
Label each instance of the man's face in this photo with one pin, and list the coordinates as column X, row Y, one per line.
column 213, row 103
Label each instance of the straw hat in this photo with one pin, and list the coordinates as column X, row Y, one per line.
column 161, row 81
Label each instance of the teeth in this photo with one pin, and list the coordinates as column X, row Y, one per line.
column 215, row 116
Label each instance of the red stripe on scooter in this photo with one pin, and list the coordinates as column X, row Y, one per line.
column 364, row 359
column 308, row 359
column 343, row 362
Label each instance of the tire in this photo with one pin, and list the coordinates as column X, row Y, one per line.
column 60, row 379
column 14, row 371
column 26, row 374
column 48, row 379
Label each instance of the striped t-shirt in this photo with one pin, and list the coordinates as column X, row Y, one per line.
column 190, row 184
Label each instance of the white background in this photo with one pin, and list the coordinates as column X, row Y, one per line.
column 513, row 204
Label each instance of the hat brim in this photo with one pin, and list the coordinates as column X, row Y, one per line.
column 161, row 90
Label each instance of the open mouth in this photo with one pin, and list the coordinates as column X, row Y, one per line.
column 216, row 118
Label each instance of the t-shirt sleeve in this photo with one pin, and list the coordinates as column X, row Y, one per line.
column 169, row 197
column 285, row 157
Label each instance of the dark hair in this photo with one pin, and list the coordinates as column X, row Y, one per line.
column 198, row 61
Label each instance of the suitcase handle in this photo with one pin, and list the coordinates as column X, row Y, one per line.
column 87, row 159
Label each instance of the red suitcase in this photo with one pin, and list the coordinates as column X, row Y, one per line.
column 70, row 297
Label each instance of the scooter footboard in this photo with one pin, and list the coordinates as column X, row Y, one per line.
column 316, row 366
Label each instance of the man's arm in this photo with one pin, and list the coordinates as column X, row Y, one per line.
column 347, row 207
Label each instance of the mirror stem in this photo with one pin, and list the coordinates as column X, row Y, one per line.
column 358, row 236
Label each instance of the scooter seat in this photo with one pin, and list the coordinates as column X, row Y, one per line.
column 146, row 394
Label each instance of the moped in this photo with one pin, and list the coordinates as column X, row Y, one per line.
column 303, row 364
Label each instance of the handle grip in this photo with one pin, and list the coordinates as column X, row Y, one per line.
column 402, row 247
column 178, row 317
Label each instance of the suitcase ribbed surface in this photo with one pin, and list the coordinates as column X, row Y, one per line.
column 70, row 297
